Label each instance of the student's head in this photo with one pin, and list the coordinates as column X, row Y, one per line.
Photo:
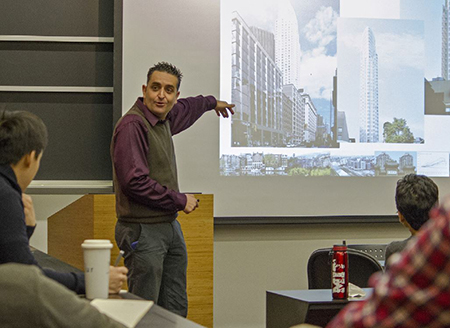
column 23, row 138
column 162, row 89
column 415, row 196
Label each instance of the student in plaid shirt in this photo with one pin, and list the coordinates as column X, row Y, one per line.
column 415, row 292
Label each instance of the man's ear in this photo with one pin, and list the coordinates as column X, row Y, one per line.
column 402, row 219
column 144, row 88
column 28, row 158
column 176, row 99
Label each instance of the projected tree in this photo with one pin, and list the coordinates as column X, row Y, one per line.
column 397, row 132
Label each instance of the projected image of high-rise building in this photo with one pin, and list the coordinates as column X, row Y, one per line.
column 256, row 88
column 368, row 97
column 274, row 106
column 287, row 45
column 445, row 41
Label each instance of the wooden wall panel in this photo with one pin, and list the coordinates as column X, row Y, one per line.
column 198, row 229
column 68, row 228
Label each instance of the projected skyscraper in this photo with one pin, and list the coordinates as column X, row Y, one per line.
column 445, row 41
column 287, row 45
column 368, row 90
column 256, row 87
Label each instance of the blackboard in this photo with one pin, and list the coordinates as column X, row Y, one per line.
column 57, row 61
column 80, row 129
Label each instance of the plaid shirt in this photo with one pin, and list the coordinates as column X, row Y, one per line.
column 415, row 291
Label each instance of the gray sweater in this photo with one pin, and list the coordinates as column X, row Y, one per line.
column 30, row 299
column 395, row 247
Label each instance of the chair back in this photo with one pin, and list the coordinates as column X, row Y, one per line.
column 376, row 250
column 360, row 267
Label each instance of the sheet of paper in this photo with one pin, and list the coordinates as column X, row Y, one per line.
column 126, row 311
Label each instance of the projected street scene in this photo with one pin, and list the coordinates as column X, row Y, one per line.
column 350, row 76
column 395, row 163
column 323, row 164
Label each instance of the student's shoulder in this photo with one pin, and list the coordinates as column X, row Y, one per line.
column 20, row 270
column 399, row 242
column 7, row 192
column 25, row 278
column 10, row 200
column 396, row 246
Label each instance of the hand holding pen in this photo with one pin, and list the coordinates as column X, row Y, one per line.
column 117, row 275
column 119, row 257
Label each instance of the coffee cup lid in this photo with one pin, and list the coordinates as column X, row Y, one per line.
column 97, row 243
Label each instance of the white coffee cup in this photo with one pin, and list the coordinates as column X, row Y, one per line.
column 97, row 256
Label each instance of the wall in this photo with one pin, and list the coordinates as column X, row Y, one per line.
column 248, row 260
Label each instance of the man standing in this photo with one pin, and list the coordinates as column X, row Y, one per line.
column 146, row 186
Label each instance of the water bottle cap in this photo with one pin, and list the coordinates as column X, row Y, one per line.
column 339, row 248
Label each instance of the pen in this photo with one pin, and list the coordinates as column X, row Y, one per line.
column 118, row 258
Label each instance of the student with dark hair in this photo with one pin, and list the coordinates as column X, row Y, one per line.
column 146, row 186
column 23, row 138
column 21, row 133
column 415, row 196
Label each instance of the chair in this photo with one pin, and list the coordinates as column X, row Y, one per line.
column 361, row 266
column 376, row 250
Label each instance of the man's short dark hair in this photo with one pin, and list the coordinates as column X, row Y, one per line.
column 168, row 68
column 21, row 132
column 415, row 196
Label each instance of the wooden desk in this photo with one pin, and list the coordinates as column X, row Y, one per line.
column 47, row 261
column 287, row 308
column 158, row 317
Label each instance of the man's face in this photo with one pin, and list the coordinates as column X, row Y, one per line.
column 160, row 93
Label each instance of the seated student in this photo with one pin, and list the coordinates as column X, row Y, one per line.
column 23, row 138
column 415, row 291
column 30, row 299
column 415, row 196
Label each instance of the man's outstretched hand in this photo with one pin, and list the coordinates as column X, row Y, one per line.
column 223, row 108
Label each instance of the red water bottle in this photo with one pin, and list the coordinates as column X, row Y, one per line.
column 339, row 272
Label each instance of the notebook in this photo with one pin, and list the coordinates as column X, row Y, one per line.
column 127, row 312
